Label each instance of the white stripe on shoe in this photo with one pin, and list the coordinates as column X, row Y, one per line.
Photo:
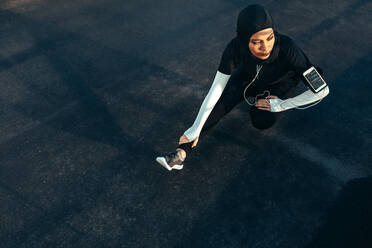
column 163, row 162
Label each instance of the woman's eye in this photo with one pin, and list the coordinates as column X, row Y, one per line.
column 270, row 38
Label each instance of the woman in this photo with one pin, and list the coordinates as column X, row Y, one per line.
column 259, row 66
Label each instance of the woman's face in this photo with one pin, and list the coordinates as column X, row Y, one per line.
column 262, row 42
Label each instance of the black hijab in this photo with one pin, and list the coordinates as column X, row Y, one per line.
column 251, row 20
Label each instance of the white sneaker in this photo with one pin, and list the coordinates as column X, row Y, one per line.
column 171, row 161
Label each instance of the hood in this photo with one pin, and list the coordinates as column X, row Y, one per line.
column 252, row 19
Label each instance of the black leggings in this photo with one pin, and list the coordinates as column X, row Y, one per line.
column 232, row 96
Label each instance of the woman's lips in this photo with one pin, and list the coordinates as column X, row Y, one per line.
column 264, row 54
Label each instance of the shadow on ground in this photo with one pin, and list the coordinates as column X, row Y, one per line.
column 348, row 222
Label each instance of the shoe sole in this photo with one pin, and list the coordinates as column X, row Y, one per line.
column 163, row 162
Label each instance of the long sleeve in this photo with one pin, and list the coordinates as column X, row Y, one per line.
column 308, row 97
column 208, row 104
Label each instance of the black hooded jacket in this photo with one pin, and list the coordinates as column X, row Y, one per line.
column 280, row 73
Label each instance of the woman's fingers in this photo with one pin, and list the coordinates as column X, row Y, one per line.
column 263, row 104
column 195, row 142
column 183, row 140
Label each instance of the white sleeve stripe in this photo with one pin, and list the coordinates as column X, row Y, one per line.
column 307, row 97
column 215, row 92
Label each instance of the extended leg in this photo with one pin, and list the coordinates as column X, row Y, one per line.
column 232, row 95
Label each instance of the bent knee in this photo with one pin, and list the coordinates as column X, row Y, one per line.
column 261, row 119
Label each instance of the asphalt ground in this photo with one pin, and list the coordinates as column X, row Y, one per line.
column 92, row 91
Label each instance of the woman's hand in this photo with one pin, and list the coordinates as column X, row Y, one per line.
column 264, row 104
column 184, row 140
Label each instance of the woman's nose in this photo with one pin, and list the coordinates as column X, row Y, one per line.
column 264, row 46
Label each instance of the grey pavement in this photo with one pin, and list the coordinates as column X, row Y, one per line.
column 92, row 91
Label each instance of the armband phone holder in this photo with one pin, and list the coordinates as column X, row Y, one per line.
column 314, row 80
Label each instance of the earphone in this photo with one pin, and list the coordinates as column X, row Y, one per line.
column 258, row 69
column 255, row 99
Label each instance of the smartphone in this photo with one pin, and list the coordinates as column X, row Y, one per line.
column 314, row 79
